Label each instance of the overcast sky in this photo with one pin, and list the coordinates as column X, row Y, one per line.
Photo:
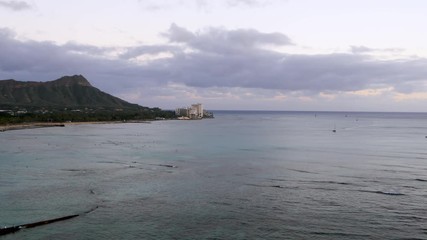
column 352, row 55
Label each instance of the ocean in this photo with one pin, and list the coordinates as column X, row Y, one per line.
column 241, row 175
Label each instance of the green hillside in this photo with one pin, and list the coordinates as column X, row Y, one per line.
column 68, row 91
column 70, row 98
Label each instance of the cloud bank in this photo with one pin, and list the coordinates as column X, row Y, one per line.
column 212, row 58
column 204, row 4
column 15, row 5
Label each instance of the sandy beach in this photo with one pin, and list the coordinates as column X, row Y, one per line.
column 21, row 126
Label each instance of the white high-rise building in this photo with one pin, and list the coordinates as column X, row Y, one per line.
column 196, row 110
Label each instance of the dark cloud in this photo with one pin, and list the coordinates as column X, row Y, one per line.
column 235, row 59
column 15, row 5
column 214, row 57
column 179, row 34
column 7, row 33
column 218, row 40
column 41, row 61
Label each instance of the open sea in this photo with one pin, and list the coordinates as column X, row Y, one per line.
column 242, row 175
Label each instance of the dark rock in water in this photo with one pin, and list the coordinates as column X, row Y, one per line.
column 8, row 230
column 13, row 229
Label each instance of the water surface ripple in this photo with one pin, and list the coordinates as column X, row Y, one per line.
column 242, row 175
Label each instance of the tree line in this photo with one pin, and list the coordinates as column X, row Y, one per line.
column 87, row 116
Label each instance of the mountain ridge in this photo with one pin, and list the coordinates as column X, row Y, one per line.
column 67, row 91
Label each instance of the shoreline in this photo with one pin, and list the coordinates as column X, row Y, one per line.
column 19, row 126
column 22, row 126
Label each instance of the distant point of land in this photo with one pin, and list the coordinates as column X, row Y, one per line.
column 67, row 99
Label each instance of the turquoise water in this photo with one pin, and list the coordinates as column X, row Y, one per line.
column 242, row 175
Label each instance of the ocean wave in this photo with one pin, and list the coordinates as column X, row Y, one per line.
column 340, row 234
column 384, row 192
column 270, row 186
column 221, row 203
column 420, row 180
column 332, row 182
column 277, row 179
column 301, row 171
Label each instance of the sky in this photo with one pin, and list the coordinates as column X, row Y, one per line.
column 303, row 55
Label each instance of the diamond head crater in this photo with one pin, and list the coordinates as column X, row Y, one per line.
column 67, row 99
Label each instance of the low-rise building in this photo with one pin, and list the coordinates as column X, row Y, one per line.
column 182, row 112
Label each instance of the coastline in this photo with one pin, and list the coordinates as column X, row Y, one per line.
column 22, row 126
column 19, row 126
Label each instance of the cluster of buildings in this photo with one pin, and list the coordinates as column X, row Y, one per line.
column 196, row 111
column 18, row 111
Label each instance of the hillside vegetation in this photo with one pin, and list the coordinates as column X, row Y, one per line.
column 69, row 98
